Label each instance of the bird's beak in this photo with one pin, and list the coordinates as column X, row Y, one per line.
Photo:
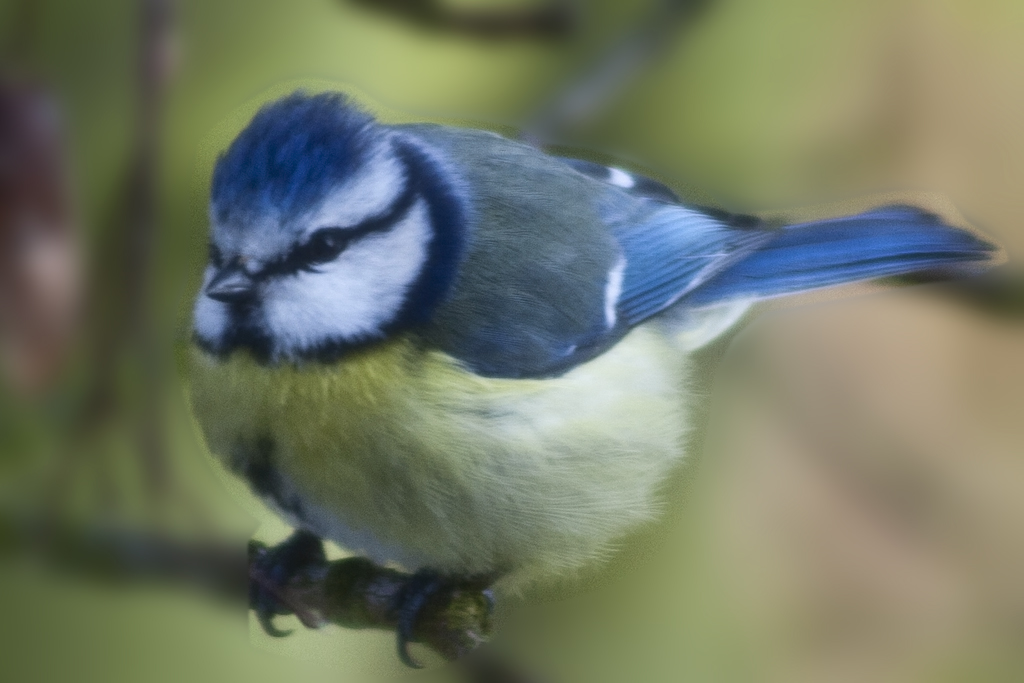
column 231, row 285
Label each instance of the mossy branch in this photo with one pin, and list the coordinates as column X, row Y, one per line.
column 356, row 593
column 351, row 592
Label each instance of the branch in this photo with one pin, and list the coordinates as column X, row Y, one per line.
column 355, row 593
column 119, row 555
column 554, row 19
column 589, row 91
column 351, row 592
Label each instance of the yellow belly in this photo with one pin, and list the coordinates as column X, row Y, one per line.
column 403, row 455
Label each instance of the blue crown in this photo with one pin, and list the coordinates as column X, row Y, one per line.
column 291, row 153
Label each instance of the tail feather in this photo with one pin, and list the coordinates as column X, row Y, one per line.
column 884, row 242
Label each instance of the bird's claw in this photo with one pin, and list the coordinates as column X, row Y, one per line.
column 422, row 586
column 420, row 590
column 271, row 570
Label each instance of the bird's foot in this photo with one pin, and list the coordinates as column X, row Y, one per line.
column 272, row 569
column 452, row 615
column 427, row 595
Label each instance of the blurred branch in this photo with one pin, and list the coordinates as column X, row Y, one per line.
column 589, row 92
column 108, row 554
column 999, row 293
column 157, row 64
column 121, row 307
column 554, row 19
column 350, row 592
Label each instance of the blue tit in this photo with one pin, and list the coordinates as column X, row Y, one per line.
column 442, row 348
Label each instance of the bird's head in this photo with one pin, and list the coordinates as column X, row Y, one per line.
column 327, row 231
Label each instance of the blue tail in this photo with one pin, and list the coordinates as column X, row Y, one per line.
column 879, row 243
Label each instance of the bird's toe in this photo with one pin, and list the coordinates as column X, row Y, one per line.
column 271, row 569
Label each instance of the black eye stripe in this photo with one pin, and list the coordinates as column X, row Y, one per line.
column 309, row 254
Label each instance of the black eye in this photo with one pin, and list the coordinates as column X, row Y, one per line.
column 216, row 259
column 324, row 246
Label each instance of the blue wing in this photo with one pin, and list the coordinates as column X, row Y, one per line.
column 669, row 248
column 699, row 259
column 881, row 243
column 672, row 252
column 566, row 256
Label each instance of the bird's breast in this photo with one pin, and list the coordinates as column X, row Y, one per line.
column 401, row 453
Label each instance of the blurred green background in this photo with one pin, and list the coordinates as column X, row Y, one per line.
column 852, row 510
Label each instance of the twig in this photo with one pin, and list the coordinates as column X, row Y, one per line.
column 120, row 555
column 554, row 19
column 356, row 593
column 351, row 592
column 120, row 309
column 156, row 65
column 589, row 91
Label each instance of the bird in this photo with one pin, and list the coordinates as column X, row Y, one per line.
column 454, row 352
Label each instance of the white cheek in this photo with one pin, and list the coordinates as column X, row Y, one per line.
column 355, row 296
column 368, row 194
column 209, row 317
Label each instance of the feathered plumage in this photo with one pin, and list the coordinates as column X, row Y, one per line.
column 430, row 344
